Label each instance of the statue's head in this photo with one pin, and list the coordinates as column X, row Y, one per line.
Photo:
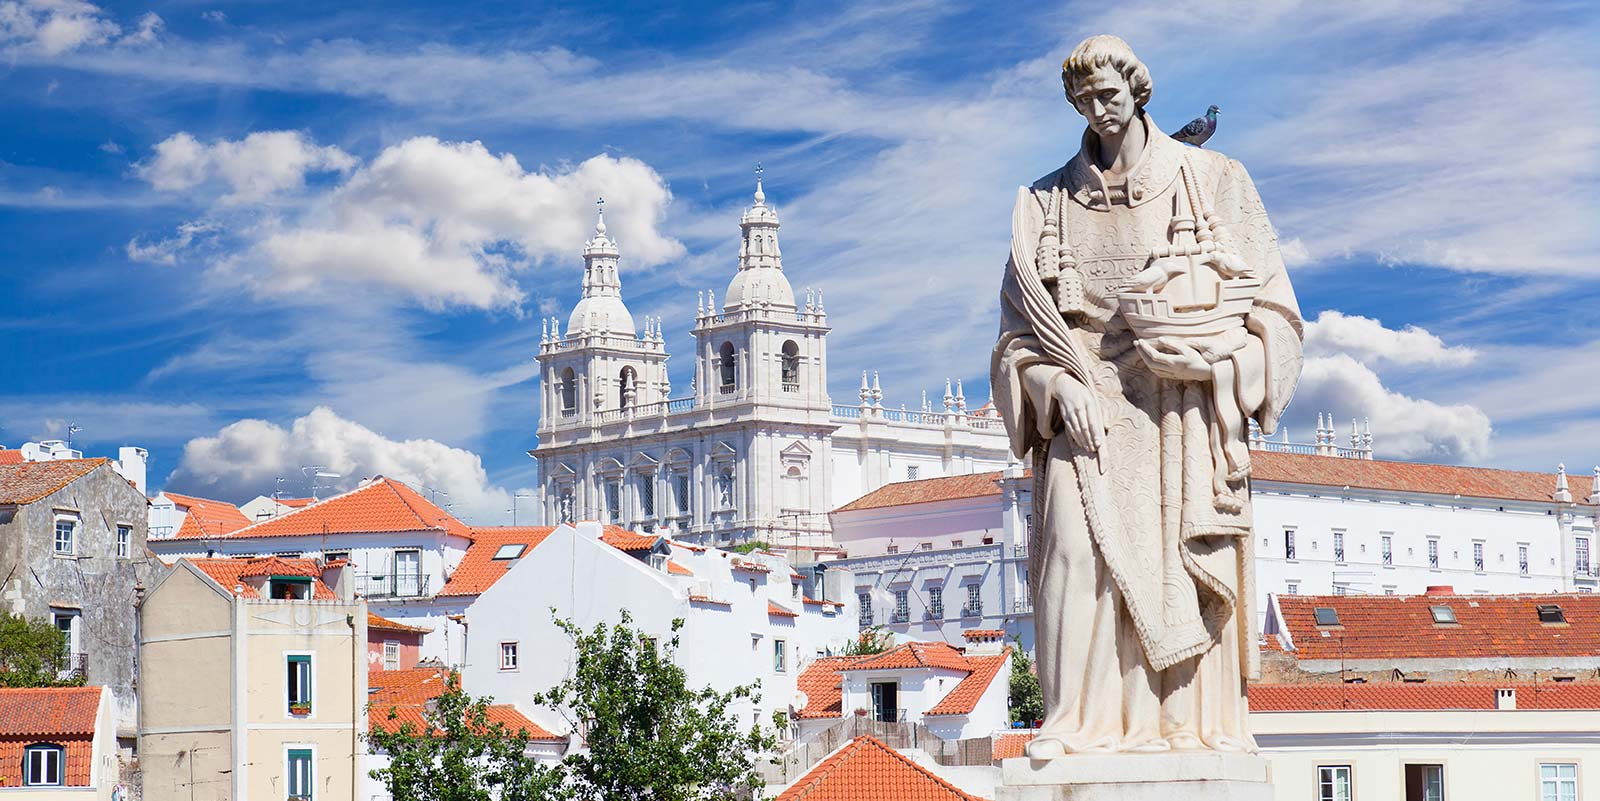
column 1106, row 83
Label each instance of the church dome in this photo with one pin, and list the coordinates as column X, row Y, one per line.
column 601, row 308
column 601, row 313
column 760, row 280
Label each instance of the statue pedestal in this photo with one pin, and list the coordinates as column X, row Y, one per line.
column 1171, row 776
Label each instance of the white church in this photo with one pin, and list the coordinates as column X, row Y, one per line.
column 756, row 450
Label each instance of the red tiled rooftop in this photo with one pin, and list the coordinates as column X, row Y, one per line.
column 375, row 622
column 964, row 698
column 1436, row 479
column 867, row 770
column 383, row 505
column 927, row 490
column 1010, row 745
column 624, row 540
column 820, row 682
column 10, row 456
column 1393, row 627
column 479, row 569
column 405, row 693
column 678, row 570
column 1420, row 697
column 774, row 609
column 26, row 482
column 205, row 517
column 983, row 634
column 49, row 711
column 915, row 655
column 230, row 573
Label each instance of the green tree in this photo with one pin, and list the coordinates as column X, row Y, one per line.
column 460, row 755
column 1027, row 702
column 33, row 653
column 873, row 640
column 650, row 736
column 751, row 546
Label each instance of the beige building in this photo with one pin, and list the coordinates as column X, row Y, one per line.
column 254, row 681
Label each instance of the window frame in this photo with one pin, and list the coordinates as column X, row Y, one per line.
column 293, row 752
column 515, row 652
column 309, row 688
column 1331, row 786
column 780, row 656
column 1559, row 779
column 124, row 541
column 44, row 749
column 386, row 660
column 74, row 522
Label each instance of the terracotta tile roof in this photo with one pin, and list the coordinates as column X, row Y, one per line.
column 385, row 624
column 1011, row 744
column 774, row 609
column 678, row 570
column 706, row 599
column 1394, row 627
column 405, row 694
column 867, row 770
column 915, row 655
column 814, row 602
column 49, row 712
column 295, row 503
column 231, row 572
column 27, row 482
column 983, row 634
column 204, row 517
column 927, row 490
column 820, row 681
column 10, row 456
column 964, row 698
column 1426, row 696
column 383, row 505
column 1437, row 479
column 479, row 570
column 624, row 540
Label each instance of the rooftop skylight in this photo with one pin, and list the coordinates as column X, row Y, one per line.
column 1443, row 614
column 510, row 551
column 1326, row 616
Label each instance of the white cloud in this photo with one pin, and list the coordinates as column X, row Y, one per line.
column 445, row 223
column 246, row 457
column 1368, row 340
column 165, row 251
column 53, row 27
column 1403, row 426
column 150, row 27
column 262, row 164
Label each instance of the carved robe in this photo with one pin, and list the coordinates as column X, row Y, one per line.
column 1140, row 569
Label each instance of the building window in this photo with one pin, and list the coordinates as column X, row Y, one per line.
column 778, row 648
column 955, row 543
column 408, row 581
column 891, row 549
column 864, row 608
column 298, row 669
column 1433, row 553
column 1291, row 588
column 974, row 605
column 67, row 623
column 1558, row 782
column 1477, row 556
column 936, row 602
column 728, row 367
column 42, row 765
column 1333, row 783
column 680, row 493
column 1338, row 546
column 569, row 393
column 1388, row 550
column 66, row 534
column 791, row 367
column 1522, row 560
column 924, row 546
column 124, row 541
column 1581, row 564
column 508, row 656
column 391, row 655
column 1388, row 589
column 1424, row 782
column 1288, row 544
column 912, row 472
column 614, row 501
column 647, row 495
column 299, row 771
column 1341, row 589
column 902, row 607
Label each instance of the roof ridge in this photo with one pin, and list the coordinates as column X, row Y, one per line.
column 860, row 744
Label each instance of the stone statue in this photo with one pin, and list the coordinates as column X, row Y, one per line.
column 1145, row 318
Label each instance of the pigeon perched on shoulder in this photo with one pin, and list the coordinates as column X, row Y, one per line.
column 1199, row 129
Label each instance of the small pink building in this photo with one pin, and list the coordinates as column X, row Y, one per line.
column 392, row 645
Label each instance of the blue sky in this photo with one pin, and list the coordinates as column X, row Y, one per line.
column 253, row 236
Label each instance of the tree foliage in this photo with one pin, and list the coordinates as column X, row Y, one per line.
column 650, row 736
column 1027, row 702
column 873, row 640
column 751, row 546
column 460, row 755
column 33, row 653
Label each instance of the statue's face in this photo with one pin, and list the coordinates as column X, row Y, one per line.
column 1105, row 100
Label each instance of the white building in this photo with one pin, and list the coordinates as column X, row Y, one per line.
column 756, row 449
column 131, row 462
column 746, row 617
column 1328, row 520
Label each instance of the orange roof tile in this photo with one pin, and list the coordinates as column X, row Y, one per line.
column 1425, row 696
column 1435, row 479
column 915, row 655
column 867, row 770
column 230, row 572
column 1010, row 745
column 678, row 570
column 814, row 602
column 479, row 570
column 413, row 686
column 624, row 540
column 10, row 456
column 1394, row 627
column 983, row 634
column 204, row 517
column 774, row 609
column 27, row 482
column 383, row 505
column 405, row 694
column 295, row 503
column 928, row 490
column 385, row 624
column 964, row 698
column 49, row 711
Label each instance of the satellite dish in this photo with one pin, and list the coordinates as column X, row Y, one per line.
column 799, row 700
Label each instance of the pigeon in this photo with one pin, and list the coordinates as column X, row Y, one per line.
column 1199, row 129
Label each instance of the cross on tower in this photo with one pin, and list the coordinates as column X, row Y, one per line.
column 758, row 171
column 600, row 204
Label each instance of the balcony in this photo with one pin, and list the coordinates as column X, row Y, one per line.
column 900, row 617
column 972, row 610
column 865, row 620
column 391, row 585
column 936, row 613
column 1022, row 606
column 791, row 387
column 1585, row 572
column 72, row 666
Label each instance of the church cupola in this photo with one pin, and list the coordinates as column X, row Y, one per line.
column 760, row 282
column 601, row 309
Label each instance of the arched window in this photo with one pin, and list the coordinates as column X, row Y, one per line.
column 43, row 765
column 730, row 377
column 626, row 390
column 569, row 392
column 791, row 367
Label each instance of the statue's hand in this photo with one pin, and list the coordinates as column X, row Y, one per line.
column 1080, row 411
column 1174, row 361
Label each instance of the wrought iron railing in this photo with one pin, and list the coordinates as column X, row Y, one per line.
column 972, row 610
column 391, row 585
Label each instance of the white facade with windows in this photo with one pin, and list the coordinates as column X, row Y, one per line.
column 756, row 449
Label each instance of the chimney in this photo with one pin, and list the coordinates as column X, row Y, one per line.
column 1440, row 589
column 131, row 466
column 1505, row 698
column 984, row 641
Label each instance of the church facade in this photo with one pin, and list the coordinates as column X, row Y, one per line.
column 756, row 449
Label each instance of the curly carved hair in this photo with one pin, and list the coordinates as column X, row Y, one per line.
column 1106, row 50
